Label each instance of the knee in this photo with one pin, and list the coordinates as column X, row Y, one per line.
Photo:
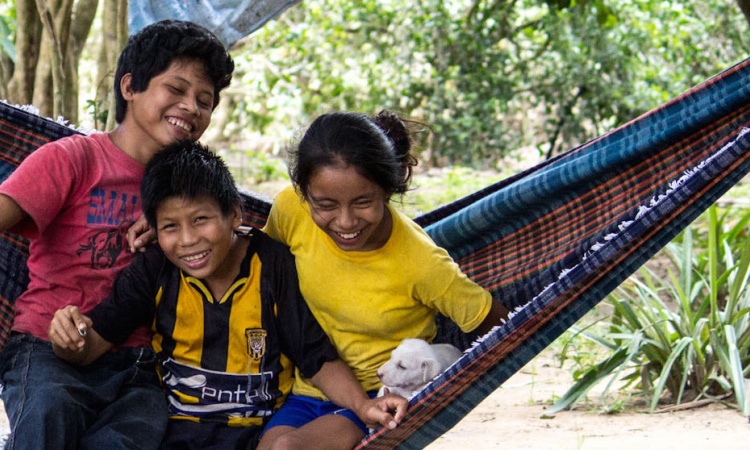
column 288, row 441
column 282, row 438
column 46, row 419
column 56, row 395
column 52, row 405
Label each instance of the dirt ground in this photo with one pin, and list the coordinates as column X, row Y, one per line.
column 513, row 417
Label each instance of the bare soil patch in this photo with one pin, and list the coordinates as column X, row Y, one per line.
column 513, row 417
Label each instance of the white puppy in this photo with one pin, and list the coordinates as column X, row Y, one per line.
column 413, row 364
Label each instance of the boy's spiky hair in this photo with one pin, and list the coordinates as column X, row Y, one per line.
column 187, row 169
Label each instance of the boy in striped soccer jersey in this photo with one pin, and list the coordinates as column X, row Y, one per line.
column 227, row 317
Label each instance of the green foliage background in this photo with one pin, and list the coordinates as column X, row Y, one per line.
column 488, row 77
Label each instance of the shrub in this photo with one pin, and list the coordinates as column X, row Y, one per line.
column 680, row 332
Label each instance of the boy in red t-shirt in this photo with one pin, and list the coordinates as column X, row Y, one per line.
column 75, row 199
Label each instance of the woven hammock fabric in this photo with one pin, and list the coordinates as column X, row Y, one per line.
column 559, row 237
column 553, row 240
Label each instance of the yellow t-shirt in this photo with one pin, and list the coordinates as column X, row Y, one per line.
column 368, row 302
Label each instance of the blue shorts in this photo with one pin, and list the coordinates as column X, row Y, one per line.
column 299, row 410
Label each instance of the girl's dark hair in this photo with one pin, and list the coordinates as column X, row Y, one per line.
column 378, row 147
column 188, row 170
column 152, row 50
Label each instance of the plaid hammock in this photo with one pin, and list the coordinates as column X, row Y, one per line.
column 550, row 242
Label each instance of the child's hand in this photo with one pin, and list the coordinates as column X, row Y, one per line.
column 139, row 235
column 379, row 411
column 69, row 328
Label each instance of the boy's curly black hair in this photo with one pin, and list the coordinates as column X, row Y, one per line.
column 150, row 52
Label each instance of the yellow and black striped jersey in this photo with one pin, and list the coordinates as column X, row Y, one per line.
column 228, row 359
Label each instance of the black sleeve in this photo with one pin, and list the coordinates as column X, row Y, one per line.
column 131, row 303
column 301, row 337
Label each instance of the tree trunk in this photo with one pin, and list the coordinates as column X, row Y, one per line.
column 49, row 88
column 745, row 8
column 82, row 19
column 115, row 30
column 6, row 74
column 42, row 88
column 28, row 38
column 56, row 81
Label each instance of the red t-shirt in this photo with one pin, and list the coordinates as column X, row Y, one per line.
column 81, row 194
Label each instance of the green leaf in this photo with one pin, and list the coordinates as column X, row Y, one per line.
column 589, row 380
column 665, row 373
column 6, row 35
column 735, row 370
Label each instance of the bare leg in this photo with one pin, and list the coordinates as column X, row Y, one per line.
column 270, row 437
column 329, row 432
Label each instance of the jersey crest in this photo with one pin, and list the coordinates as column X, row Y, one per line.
column 256, row 342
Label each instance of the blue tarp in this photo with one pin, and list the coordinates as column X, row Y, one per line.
column 230, row 20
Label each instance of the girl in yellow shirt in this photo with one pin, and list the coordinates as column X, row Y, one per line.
column 370, row 275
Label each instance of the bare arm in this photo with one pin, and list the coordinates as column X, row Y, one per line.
column 73, row 339
column 340, row 385
column 497, row 316
column 10, row 212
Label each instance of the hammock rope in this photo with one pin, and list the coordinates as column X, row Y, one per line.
column 551, row 242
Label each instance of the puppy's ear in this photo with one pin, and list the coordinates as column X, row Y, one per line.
column 430, row 369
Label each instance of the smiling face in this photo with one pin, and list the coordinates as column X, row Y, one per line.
column 176, row 105
column 349, row 208
column 199, row 239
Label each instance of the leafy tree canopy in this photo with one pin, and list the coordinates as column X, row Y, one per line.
column 486, row 76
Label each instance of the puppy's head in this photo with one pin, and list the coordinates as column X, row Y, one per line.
column 412, row 365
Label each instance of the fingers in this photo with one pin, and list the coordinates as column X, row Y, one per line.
column 68, row 328
column 139, row 235
column 385, row 406
column 398, row 404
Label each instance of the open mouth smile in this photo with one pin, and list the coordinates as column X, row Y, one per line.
column 179, row 123
column 349, row 236
column 195, row 257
